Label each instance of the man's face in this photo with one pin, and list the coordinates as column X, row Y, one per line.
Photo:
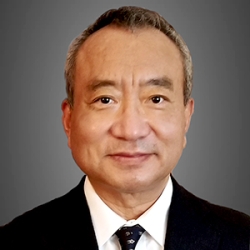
column 127, row 127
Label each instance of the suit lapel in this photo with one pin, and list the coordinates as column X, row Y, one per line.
column 189, row 226
column 80, row 231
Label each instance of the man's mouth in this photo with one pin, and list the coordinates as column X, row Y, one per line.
column 130, row 158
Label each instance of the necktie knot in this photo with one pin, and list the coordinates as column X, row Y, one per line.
column 129, row 236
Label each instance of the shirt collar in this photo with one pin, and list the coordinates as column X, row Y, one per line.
column 154, row 220
column 106, row 222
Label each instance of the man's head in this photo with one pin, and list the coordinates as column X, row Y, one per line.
column 129, row 18
column 127, row 125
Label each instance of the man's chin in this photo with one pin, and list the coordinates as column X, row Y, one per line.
column 135, row 185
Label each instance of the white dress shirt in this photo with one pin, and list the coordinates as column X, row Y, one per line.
column 106, row 222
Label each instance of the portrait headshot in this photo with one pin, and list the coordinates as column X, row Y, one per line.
column 125, row 125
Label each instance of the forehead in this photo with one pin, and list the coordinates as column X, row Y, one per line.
column 121, row 54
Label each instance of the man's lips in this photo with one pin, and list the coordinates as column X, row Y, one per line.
column 130, row 157
column 130, row 154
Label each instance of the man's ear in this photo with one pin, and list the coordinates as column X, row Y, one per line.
column 189, row 110
column 66, row 119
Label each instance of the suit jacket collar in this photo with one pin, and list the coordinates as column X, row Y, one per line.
column 81, row 228
column 189, row 226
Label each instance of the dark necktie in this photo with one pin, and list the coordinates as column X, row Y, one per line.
column 129, row 236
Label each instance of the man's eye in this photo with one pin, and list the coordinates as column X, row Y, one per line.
column 104, row 100
column 157, row 99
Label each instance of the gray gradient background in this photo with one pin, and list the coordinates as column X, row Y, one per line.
column 36, row 165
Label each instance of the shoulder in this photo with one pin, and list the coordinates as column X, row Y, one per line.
column 225, row 219
column 231, row 227
column 52, row 210
column 206, row 220
column 48, row 222
column 203, row 207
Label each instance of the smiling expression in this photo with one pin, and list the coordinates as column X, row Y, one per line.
column 127, row 128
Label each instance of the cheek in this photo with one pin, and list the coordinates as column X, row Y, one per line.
column 86, row 129
column 170, row 143
column 87, row 143
column 89, row 135
column 170, row 135
column 169, row 128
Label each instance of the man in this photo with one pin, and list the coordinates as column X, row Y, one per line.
column 129, row 106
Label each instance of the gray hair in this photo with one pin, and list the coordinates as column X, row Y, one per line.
column 131, row 18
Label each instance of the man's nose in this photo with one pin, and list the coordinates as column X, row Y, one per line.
column 130, row 123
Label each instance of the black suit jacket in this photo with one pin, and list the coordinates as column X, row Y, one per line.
column 65, row 223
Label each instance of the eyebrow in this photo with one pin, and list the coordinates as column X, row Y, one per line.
column 97, row 84
column 162, row 82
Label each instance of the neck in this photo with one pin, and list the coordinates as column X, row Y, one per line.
column 129, row 205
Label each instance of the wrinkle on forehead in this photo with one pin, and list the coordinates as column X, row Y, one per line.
column 110, row 40
column 164, row 82
column 119, row 55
